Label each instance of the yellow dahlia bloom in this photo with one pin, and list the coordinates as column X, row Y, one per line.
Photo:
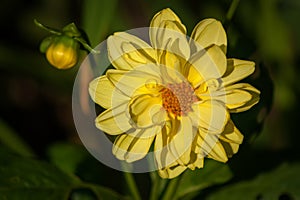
column 173, row 93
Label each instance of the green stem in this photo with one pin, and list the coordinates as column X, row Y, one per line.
column 171, row 189
column 232, row 9
column 86, row 46
column 156, row 184
column 46, row 28
column 132, row 186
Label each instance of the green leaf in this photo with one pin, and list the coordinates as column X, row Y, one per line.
column 67, row 156
column 277, row 184
column 192, row 182
column 94, row 192
column 28, row 179
column 11, row 140
column 97, row 17
column 105, row 193
column 23, row 178
column 158, row 184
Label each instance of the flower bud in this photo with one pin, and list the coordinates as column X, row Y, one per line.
column 63, row 51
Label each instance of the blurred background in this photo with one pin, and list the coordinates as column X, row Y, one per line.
column 35, row 104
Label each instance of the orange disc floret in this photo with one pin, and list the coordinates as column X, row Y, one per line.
column 178, row 98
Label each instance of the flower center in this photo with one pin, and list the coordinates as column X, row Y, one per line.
column 178, row 98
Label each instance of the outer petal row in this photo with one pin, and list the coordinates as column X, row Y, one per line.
column 231, row 138
column 237, row 70
column 114, row 121
column 206, row 33
column 136, row 81
column 167, row 33
column 210, row 116
column 103, row 92
column 206, row 64
column 237, row 98
column 133, row 147
column 126, row 51
column 175, row 149
column 220, row 147
column 246, row 97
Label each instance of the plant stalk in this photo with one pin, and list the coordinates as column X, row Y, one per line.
column 233, row 6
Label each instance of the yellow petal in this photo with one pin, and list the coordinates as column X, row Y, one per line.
column 174, row 150
column 173, row 61
column 218, row 153
column 167, row 164
column 143, row 108
column 207, row 64
column 165, row 15
column 208, row 32
column 163, row 156
column 140, row 80
column 231, row 134
column 230, row 148
column 171, row 41
column 126, row 51
column 211, row 146
column 168, row 33
column 237, row 70
column 132, row 148
column 114, row 121
column 232, row 96
column 253, row 92
column 170, row 166
column 103, row 92
column 237, row 98
column 181, row 144
column 211, row 116
column 196, row 161
column 171, row 171
column 144, row 133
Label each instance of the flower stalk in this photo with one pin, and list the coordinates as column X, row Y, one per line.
column 46, row 28
column 171, row 188
column 132, row 186
column 158, row 184
column 233, row 6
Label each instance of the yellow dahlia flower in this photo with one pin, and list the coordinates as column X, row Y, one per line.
column 174, row 94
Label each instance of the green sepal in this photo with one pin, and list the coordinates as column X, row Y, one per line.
column 66, row 40
column 46, row 43
column 71, row 30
